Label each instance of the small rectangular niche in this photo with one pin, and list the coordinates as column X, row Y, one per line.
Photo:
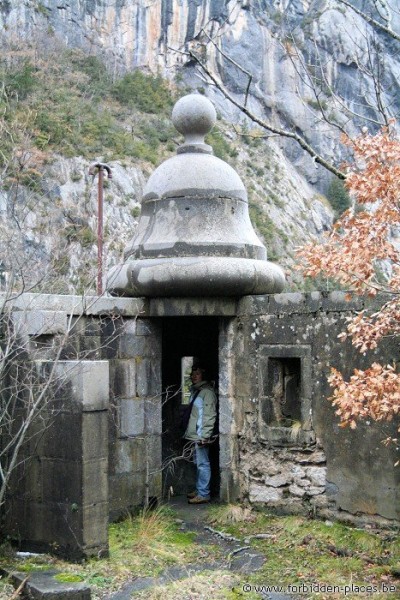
column 285, row 395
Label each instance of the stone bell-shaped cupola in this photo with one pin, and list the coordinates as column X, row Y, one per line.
column 194, row 236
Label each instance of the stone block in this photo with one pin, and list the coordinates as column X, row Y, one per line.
column 286, row 436
column 153, row 417
column 253, row 305
column 153, row 456
column 128, row 327
column 155, row 484
column 62, row 523
column 40, row 322
column 131, row 346
column 229, row 453
column 313, row 301
column 314, row 491
column 89, row 383
column 95, row 527
column 93, row 326
column 126, row 307
column 261, row 493
column 16, row 519
column 277, row 480
column 340, row 301
column 125, row 378
column 95, row 481
column 62, row 481
column 288, row 303
column 317, row 475
column 147, row 327
column 226, row 383
column 320, row 501
column 295, row 490
column 94, row 435
column 91, row 347
column 226, row 421
column 44, row 586
column 130, row 456
column 32, row 479
column 126, row 492
column 186, row 307
column 61, row 436
column 148, row 377
column 131, row 417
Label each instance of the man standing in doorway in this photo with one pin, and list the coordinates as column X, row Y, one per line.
column 200, row 429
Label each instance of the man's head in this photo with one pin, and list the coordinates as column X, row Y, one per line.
column 197, row 374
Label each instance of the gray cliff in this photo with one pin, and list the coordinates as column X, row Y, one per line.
column 313, row 67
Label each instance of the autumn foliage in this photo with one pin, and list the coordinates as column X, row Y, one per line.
column 363, row 254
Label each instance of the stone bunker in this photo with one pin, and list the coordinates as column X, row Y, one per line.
column 195, row 281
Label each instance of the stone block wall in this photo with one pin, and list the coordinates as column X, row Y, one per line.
column 308, row 464
column 135, row 418
column 94, row 452
column 59, row 493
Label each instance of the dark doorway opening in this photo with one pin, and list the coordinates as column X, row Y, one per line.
column 182, row 339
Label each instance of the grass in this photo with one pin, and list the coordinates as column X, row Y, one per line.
column 301, row 551
column 298, row 551
column 141, row 545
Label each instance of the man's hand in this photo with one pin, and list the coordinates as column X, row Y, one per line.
column 204, row 442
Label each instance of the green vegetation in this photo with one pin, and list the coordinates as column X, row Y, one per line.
column 303, row 551
column 222, row 148
column 338, row 196
column 297, row 550
column 66, row 102
column 141, row 545
column 264, row 225
column 144, row 92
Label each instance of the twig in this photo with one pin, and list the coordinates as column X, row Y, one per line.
column 261, row 536
column 19, row 589
column 221, row 534
column 231, row 554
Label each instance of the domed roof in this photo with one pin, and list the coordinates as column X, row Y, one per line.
column 194, row 236
column 195, row 170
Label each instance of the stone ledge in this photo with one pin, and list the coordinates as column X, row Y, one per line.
column 43, row 586
column 78, row 305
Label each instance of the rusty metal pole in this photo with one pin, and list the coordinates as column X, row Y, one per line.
column 100, row 232
column 99, row 168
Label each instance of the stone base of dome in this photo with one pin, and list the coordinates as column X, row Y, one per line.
column 197, row 276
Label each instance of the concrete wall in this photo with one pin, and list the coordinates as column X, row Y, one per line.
column 96, row 449
column 315, row 466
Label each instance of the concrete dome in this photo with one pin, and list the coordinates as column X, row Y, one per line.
column 195, row 237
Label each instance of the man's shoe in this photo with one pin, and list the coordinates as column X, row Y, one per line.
column 191, row 495
column 199, row 500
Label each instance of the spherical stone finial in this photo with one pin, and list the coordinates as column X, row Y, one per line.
column 194, row 116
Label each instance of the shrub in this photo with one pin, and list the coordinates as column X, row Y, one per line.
column 338, row 196
column 20, row 81
column 146, row 92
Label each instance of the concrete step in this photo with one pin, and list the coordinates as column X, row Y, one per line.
column 43, row 586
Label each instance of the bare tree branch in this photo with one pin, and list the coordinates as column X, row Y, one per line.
column 279, row 131
column 372, row 21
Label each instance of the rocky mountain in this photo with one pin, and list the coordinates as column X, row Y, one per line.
column 312, row 68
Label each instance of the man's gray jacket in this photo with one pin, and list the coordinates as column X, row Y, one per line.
column 204, row 413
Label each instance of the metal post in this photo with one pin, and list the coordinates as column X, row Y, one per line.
column 98, row 168
column 100, row 232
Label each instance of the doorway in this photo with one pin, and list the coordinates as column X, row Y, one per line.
column 183, row 339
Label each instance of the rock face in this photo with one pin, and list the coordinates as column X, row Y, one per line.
column 314, row 62
column 310, row 55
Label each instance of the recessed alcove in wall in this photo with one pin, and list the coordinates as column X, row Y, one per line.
column 285, row 414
